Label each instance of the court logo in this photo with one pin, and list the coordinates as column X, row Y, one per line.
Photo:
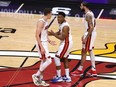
column 7, row 30
column 55, row 10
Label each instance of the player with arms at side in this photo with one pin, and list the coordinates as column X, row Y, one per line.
column 87, row 40
column 65, row 37
column 42, row 47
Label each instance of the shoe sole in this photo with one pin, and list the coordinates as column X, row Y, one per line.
column 57, row 81
column 67, row 80
column 45, row 85
column 93, row 75
column 76, row 74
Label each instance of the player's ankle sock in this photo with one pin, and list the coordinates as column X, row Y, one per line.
column 58, row 73
column 80, row 68
column 67, row 72
column 41, row 77
column 38, row 73
column 93, row 68
column 92, row 60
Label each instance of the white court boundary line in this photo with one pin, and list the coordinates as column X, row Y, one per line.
column 71, row 56
column 100, row 13
column 19, row 8
column 108, row 76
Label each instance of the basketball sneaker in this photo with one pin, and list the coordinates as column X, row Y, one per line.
column 38, row 82
column 66, row 79
column 92, row 73
column 35, row 79
column 43, row 83
column 57, row 79
column 77, row 73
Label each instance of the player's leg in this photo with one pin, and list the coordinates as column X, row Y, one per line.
column 84, row 53
column 83, row 58
column 92, row 56
column 58, row 77
column 35, row 76
column 43, row 66
column 59, row 55
column 85, row 48
column 58, row 66
column 93, row 68
column 79, row 71
column 45, row 62
column 67, row 77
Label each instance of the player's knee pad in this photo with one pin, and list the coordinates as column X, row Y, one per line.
column 49, row 61
column 57, row 61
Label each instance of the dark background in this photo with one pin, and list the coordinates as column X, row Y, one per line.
column 37, row 6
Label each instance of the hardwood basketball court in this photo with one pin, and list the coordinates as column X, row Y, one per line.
column 17, row 32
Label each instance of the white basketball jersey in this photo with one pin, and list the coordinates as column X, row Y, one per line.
column 61, row 28
column 93, row 21
column 44, row 32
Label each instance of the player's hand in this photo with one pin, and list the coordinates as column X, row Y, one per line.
column 84, row 41
column 49, row 33
column 82, row 38
column 52, row 32
column 52, row 43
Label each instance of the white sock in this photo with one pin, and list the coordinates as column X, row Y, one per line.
column 41, row 77
column 92, row 57
column 58, row 73
column 80, row 68
column 67, row 72
column 38, row 73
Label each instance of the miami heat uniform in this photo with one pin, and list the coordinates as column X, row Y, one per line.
column 44, row 40
column 89, row 45
column 65, row 45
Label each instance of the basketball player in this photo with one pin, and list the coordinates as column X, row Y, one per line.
column 64, row 35
column 42, row 47
column 87, row 40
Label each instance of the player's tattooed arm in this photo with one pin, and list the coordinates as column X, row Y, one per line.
column 90, row 24
column 89, row 20
column 90, row 27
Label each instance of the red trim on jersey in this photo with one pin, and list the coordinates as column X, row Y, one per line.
column 42, row 56
column 65, row 47
column 46, row 27
column 87, row 45
column 94, row 23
